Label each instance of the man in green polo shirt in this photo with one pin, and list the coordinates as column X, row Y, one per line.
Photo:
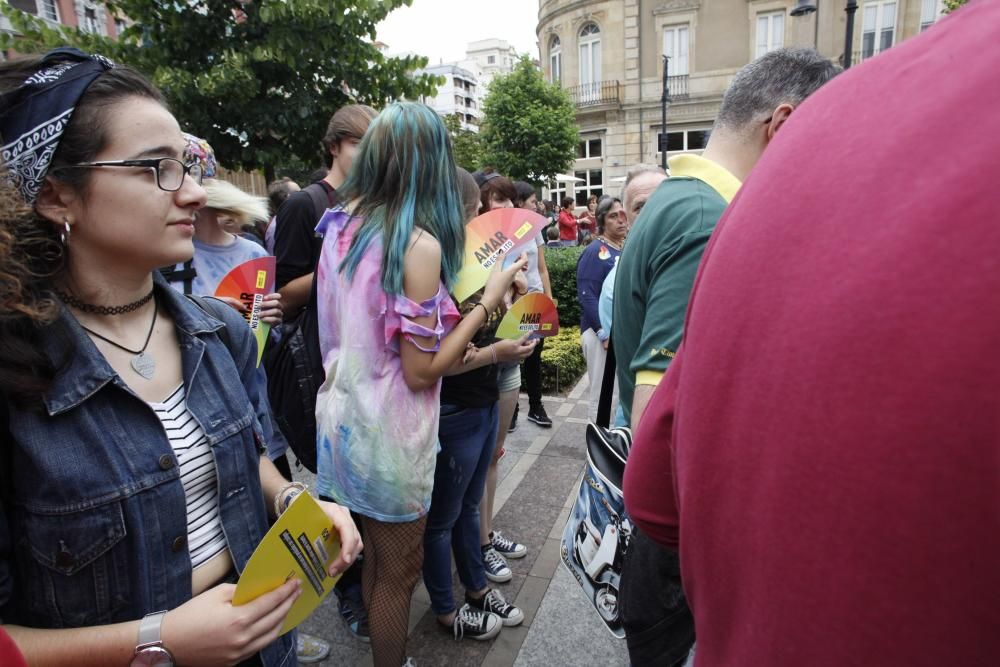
column 655, row 276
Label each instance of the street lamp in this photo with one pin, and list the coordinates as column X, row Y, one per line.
column 661, row 140
column 852, row 6
column 803, row 7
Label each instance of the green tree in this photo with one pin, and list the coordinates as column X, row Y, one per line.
column 529, row 128
column 952, row 5
column 258, row 78
column 466, row 144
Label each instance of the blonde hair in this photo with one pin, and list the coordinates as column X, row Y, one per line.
column 229, row 199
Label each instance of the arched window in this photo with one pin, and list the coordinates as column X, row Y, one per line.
column 555, row 60
column 590, row 59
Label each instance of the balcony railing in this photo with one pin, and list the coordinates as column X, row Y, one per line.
column 678, row 86
column 596, row 93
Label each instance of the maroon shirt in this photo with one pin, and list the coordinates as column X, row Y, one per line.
column 831, row 427
column 10, row 656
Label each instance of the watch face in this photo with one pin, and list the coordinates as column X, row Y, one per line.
column 153, row 656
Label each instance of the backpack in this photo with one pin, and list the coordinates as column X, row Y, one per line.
column 294, row 367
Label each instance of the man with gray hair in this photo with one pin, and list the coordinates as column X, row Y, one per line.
column 640, row 182
column 652, row 289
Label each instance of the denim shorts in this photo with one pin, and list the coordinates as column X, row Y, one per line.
column 509, row 378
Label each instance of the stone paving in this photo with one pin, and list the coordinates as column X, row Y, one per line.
column 539, row 478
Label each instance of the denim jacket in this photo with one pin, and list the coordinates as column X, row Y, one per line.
column 94, row 526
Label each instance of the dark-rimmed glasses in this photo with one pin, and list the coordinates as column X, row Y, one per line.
column 169, row 171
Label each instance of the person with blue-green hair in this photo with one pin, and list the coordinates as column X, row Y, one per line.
column 388, row 333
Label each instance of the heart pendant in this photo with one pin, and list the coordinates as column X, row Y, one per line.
column 144, row 365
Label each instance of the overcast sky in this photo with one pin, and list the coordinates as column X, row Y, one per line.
column 440, row 29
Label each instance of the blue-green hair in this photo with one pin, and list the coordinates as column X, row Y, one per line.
column 404, row 177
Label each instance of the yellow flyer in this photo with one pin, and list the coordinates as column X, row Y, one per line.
column 302, row 544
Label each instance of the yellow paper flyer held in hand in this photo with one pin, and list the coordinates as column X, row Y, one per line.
column 301, row 544
column 488, row 239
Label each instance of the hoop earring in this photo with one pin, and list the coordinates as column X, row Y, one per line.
column 65, row 233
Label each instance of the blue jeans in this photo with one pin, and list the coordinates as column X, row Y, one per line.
column 467, row 436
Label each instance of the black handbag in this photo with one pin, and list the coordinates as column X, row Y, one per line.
column 598, row 530
column 294, row 367
column 294, row 364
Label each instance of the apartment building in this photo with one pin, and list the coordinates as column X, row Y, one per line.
column 467, row 81
column 459, row 95
column 609, row 55
column 84, row 14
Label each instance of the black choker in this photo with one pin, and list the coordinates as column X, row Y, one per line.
column 71, row 300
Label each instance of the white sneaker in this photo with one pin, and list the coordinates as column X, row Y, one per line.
column 309, row 649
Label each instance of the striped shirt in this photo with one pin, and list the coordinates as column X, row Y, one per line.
column 197, row 468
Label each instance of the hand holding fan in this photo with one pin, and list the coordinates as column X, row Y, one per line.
column 490, row 237
column 248, row 283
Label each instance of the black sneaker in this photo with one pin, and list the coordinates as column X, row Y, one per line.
column 494, row 603
column 538, row 416
column 496, row 566
column 474, row 624
column 352, row 610
column 513, row 420
column 507, row 547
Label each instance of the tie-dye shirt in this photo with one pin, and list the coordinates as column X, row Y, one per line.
column 377, row 439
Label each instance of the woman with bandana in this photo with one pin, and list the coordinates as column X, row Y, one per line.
column 133, row 486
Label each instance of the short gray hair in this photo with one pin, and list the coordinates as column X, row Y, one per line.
column 635, row 171
column 783, row 76
column 638, row 170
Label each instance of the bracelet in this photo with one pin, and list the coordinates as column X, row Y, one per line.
column 485, row 310
column 297, row 487
column 493, row 351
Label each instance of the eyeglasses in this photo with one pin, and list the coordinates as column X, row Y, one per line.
column 169, row 171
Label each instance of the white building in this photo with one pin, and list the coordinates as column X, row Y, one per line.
column 459, row 95
column 467, row 81
column 492, row 57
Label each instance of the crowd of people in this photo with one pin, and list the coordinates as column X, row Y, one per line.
column 809, row 484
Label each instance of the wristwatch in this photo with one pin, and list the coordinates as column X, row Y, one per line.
column 149, row 649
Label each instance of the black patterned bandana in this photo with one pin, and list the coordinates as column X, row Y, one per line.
column 34, row 116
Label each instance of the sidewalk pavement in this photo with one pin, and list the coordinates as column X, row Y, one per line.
column 539, row 478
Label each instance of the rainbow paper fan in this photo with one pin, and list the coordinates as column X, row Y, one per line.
column 533, row 313
column 248, row 283
column 490, row 236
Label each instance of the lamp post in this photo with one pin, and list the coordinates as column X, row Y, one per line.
column 852, row 6
column 803, row 7
column 664, row 99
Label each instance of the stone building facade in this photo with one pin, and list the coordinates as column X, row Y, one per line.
column 87, row 15
column 608, row 54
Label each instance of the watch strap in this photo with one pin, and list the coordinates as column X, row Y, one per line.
column 149, row 630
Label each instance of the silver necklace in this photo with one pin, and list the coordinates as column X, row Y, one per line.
column 142, row 363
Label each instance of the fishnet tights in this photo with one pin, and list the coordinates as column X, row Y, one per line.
column 394, row 556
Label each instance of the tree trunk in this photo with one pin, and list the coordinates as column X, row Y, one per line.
column 269, row 173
